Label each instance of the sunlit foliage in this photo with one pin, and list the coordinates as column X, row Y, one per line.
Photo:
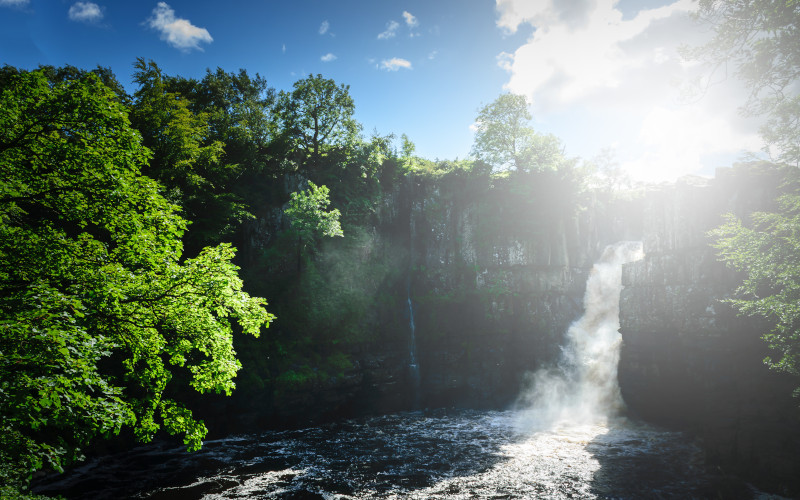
column 98, row 310
column 308, row 216
column 505, row 139
column 767, row 251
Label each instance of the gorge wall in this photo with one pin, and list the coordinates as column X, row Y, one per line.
column 687, row 360
column 491, row 297
column 492, row 271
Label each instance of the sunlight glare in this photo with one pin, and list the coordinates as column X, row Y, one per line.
column 676, row 140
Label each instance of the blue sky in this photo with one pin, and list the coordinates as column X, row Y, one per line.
column 598, row 73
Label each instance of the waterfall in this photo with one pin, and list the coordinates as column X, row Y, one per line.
column 582, row 387
column 413, row 367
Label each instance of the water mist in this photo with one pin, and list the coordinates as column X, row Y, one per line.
column 582, row 387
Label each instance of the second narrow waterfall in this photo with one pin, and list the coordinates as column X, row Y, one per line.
column 413, row 366
column 582, row 387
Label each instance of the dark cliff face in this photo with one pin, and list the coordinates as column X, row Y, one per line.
column 687, row 360
column 495, row 276
column 493, row 272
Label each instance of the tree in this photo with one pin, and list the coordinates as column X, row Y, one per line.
column 767, row 251
column 318, row 115
column 186, row 159
column 98, row 310
column 238, row 110
column 759, row 39
column 67, row 73
column 308, row 216
column 504, row 138
column 307, row 212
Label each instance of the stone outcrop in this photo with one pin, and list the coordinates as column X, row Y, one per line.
column 687, row 360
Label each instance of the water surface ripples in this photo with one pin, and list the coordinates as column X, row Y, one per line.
column 434, row 454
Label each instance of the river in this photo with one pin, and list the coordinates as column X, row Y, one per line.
column 422, row 454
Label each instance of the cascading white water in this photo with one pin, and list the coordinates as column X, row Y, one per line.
column 582, row 387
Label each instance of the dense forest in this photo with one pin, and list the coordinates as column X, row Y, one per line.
column 143, row 234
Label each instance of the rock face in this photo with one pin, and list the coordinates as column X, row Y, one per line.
column 492, row 274
column 687, row 360
column 494, row 286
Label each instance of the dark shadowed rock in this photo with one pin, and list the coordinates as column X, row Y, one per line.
column 687, row 359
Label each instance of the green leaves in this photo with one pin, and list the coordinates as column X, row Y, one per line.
column 758, row 39
column 504, row 138
column 318, row 115
column 767, row 252
column 308, row 216
column 50, row 380
column 188, row 157
column 97, row 308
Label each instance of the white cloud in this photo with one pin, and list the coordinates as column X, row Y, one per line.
column 328, row 57
column 619, row 77
column 324, row 27
column 87, row 12
column 569, row 62
column 411, row 21
column 391, row 30
column 178, row 32
column 13, row 3
column 395, row 64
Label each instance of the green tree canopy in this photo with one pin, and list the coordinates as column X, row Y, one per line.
column 238, row 110
column 98, row 310
column 758, row 40
column 187, row 158
column 318, row 115
column 505, row 139
column 308, row 215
